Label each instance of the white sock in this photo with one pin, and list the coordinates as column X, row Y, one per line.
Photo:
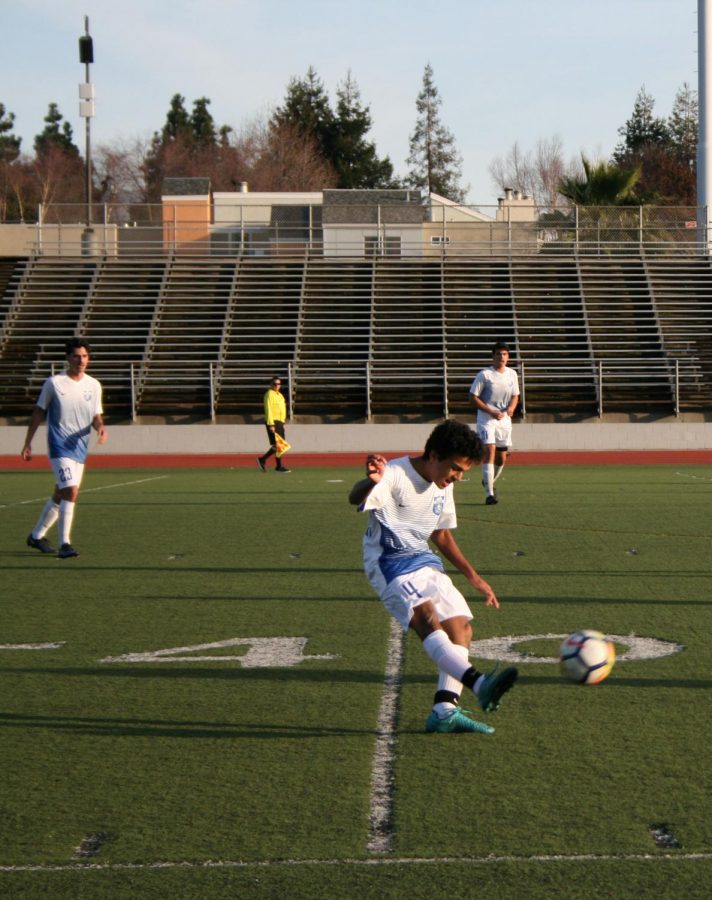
column 47, row 518
column 447, row 682
column 488, row 478
column 497, row 472
column 446, row 655
column 66, row 514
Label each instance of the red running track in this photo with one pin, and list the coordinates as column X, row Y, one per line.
column 297, row 460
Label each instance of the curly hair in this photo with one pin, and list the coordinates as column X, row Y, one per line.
column 452, row 438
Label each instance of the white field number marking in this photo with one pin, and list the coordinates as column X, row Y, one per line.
column 262, row 653
column 504, row 648
column 46, row 645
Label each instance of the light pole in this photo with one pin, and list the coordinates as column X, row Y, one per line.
column 86, row 111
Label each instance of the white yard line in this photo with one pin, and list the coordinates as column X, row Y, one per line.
column 380, row 839
column 373, row 861
column 104, row 487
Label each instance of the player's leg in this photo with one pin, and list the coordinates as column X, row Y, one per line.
column 500, row 458
column 488, row 470
column 48, row 516
column 68, row 474
column 503, row 442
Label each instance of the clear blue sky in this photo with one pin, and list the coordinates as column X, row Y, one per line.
column 506, row 70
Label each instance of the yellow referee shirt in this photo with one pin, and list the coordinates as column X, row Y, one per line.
column 275, row 407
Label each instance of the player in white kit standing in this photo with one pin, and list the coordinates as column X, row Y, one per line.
column 71, row 405
column 495, row 395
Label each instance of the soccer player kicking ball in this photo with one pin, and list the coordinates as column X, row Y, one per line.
column 410, row 501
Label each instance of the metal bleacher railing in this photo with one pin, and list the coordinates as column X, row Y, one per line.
column 364, row 336
column 252, row 229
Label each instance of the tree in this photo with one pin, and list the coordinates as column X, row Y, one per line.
column 284, row 158
column 683, row 126
column 177, row 121
column 536, row 172
column 602, row 184
column 664, row 150
column 435, row 163
column 641, row 129
column 55, row 137
column 306, row 107
column 9, row 143
column 9, row 152
column 202, row 124
column 186, row 146
column 355, row 160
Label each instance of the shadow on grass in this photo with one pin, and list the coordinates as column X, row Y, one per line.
column 114, row 727
column 228, row 671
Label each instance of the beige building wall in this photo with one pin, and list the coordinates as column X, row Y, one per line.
column 186, row 223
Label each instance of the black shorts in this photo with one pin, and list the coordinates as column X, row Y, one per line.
column 278, row 429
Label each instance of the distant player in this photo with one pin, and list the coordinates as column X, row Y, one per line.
column 495, row 394
column 410, row 501
column 71, row 404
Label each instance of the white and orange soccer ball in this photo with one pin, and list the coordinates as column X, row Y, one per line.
column 587, row 657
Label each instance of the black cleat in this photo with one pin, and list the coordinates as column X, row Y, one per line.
column 41, row 544
column 66, row 551
column 491, row 500
column 261, row 463
column 282, row 469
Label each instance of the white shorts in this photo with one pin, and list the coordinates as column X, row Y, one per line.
column 496, row 431
column 405, row 592
column 67, row 472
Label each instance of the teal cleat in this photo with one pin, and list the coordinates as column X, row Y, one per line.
column 457, row 722
column 494, row 686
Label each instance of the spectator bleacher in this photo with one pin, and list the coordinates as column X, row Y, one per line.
column 381, row 337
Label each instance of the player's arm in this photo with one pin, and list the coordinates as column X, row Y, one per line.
column 37, row 418
column 480, row 404
column 375, row 466
column 512, row 405
column 448, row 546
column 98, row 426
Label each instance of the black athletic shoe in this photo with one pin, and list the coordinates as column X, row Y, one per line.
column 491, row 500
column 261, row 463
column 66, row 551
column 282, row 469
column 41, row 544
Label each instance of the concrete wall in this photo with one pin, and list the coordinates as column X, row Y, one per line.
column 386, row 438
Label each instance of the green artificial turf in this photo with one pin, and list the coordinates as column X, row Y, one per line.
column 175, row 761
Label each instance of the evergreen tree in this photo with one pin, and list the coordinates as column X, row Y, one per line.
column 664, row 150
column 202, row 124
column 356, row 161
column 641, row 130
column 683, row 125
column 436, row 166
column 177, row 121
column 307, row 108
column 54, row 137
column 9, row 143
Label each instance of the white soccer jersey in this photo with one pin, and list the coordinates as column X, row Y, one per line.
column 404, row 510
column 71, row 406
column 495, row 389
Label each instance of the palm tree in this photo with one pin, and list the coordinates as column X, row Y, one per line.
column 602, row 184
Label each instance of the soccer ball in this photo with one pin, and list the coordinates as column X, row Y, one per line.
column 587, row 657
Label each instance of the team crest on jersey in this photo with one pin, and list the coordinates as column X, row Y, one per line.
column 438, row 504
column 87, row 396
